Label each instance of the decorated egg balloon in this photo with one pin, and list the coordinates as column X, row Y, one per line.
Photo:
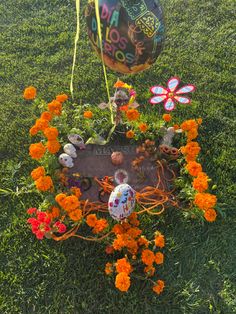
column 132, row 33
column 121, row 202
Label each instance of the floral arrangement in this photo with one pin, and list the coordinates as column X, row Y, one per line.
column 65, row 213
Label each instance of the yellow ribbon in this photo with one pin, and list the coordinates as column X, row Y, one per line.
column 98, row 140
column 75, row 48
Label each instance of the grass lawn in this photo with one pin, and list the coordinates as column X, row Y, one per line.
column 36, row 40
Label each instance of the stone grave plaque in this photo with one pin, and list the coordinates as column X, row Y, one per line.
column 95, row 161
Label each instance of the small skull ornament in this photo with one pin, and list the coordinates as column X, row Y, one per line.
column 70, row 150
column 77, row 140
column 66, row 161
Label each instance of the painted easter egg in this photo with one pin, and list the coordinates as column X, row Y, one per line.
column 132, row 33
column 121, row 202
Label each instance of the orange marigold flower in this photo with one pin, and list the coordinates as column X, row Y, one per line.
column 158, row 288
column 37, row 173
column 132, row 114
column 210, row 215
column 189, row 125
column 30, row 93
column 133, row 219
column 88, row 114
column 34, row 130
column 53, row 146
column 205, row 200
column 37, row 150
column 41, row 124
column 192, row 134
column 148, row 257
column 192, row 149
column 100, row 226
column 70, row 203
column 199, row 121
column 166, row 117
column 76, row 191
column 108, row 268
column 143, row 127
column 44, row 183
column 60, row 198
column 55, row 107
column 159, row 258
column 109, row 249
column 75, row 215
column 62, row 98
column 159, row 240
column 134, row 232
column 118, row 243
column 91, row 220
column 123, row 266
column 55, row 212
column 194, row 168
column 200, row 183
column 122, row 282
column 46, row 116
column 51, row 133
column 130, row 134
column 149, row 270
column 143, row 241
column 118, row 229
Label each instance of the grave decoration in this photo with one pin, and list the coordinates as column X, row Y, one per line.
column 96, row 187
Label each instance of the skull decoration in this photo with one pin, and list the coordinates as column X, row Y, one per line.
column 70, row 150
column 77, row 140
column 66, row 161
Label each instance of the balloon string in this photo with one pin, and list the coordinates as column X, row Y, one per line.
column 75, row 47
column 102, row 56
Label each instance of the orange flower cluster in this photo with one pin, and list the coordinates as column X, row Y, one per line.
column 30, row 93
column 158, row 288
column 132, row 114
column 43, row 183
column 129, row 238
column 122, row 282
column 42, row 124
column 191, row 128
column 120, row 84
column 98, row 225
column 55, row 107
column 37, row 150
column 53, row 213
column 200, row 183
column 206, row 202
column 71, row 204
column 191, row 151
column 194, row 168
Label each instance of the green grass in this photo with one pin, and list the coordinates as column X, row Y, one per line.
column 36, row 39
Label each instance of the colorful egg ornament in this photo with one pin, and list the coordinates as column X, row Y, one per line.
column 121, row 202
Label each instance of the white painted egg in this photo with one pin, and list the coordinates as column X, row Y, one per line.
column 121, row 202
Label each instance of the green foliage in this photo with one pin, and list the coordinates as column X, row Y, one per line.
column 37, row 40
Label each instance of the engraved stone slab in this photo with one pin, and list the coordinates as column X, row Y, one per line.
column 95, row 161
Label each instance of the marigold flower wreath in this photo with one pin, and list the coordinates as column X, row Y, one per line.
column 64, row 210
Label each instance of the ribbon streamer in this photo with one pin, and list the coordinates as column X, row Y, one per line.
column 75, row 48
